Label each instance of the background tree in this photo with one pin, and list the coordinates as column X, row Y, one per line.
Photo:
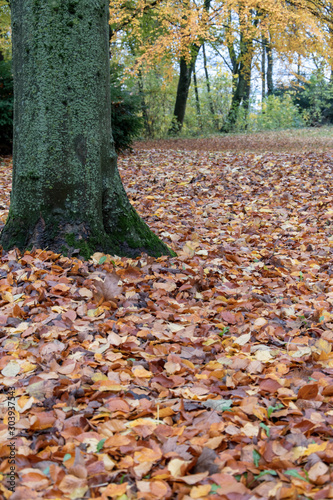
column 6, row 107
column 6, row 81
column 157, row 42
column 67, row 192
column 186, row 67
column 5, row 39
column 241, row 60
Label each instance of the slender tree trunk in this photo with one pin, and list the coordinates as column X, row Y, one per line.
column 263, row 68
column 143, row 104
column 67, row 193
column 210, row 100
column 197, row 101
column 184, row 82
column 247, row 92
column 330, row 44
column 241, row 91
column 270, row 85
column 211, row 106
column 240, row 94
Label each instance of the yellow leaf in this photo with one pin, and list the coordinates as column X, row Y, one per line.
column 58, row 309
column 25, row 403
column 7, row 296
column 85, row 292
column 141, row 372
column 315, row 448
column 177, row 467
column 108, row 385
column 260, row 412
column 200, row 491
column 209, row 342
column 323, row 345
column 98, row 376
column 243, row 339
column 93, row 313
column 26, row 366
column 263, row 355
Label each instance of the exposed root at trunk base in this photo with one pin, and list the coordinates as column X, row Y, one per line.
column 77, row 238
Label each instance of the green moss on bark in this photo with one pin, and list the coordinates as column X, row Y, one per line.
column 67, row 192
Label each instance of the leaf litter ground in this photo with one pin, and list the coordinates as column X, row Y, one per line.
column 208, row 375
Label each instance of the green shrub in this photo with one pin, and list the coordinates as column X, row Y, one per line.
column 125, row 113
column 314, row 98
column 6, row 107
column 277, row 112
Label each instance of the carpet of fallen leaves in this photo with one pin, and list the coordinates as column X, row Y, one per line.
column 207, row 375
column 294, row 140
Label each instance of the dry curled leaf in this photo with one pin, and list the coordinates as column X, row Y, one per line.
column 107, row 287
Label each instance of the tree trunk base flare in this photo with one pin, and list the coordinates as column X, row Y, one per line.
column 130, row 238
column 120, row 232
column 230, row 122
column 67, row 194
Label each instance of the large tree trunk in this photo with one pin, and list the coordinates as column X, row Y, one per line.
column 67, row 193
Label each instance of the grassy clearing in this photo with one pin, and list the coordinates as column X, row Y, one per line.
column 287, row 141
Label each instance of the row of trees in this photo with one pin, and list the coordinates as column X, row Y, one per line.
column 160, row 42
column 245, row 35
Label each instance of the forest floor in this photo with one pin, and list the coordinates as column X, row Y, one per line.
column 288, row 141
column 208, row 375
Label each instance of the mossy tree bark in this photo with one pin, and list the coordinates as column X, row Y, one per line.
column 67, row 191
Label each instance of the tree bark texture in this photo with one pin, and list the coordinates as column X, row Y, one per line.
column 67, row 192
column 241, row 88
column 197, row 100
column 184, row 82
column 209, row 95
column 263, row 68
column 270, row 85
column 144, row 105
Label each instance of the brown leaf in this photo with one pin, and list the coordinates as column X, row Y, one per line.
column 229, row 317
column 107, row 288
column 308, row 392
column 206, row 461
